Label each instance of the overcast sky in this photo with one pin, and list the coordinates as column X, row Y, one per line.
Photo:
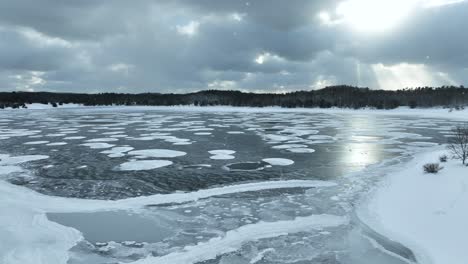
column 259, row 45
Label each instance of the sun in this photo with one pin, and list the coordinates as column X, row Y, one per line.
column 374, row 15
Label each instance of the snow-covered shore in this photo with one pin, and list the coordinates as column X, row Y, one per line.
column 435, row 112
column 426, row 212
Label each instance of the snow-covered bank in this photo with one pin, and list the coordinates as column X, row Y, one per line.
column 426, row 212
column 38, row 106
column 435, row 112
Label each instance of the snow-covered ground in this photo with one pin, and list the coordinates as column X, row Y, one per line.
column 426, row 212
column 37, row 106
column 436, row 112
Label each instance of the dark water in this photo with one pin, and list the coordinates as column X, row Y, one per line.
column 74, row 170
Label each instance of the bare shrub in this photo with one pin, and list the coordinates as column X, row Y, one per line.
column 432, row 168
column 458, row 144
column 443, row 158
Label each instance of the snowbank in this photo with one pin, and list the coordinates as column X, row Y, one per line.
column 435, row 112
column 37, row 106
column 426, row 212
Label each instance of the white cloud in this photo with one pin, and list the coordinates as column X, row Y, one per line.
column 121, row 68
column 28, row 81
column 266, row 57
column 189, row 29
column 222, row 85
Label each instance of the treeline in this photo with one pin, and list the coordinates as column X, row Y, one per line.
column 334, row 96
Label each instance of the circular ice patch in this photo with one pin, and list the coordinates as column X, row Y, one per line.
column 138, row 165
column 278, row 161
column 222, row 157
column 221, row 152
column 98, row 145
column 57, row 144
column 235, row 132
column 202, row 133
column 158, row 153
column 301, row 150
column 102, row 140
column 289, row 146
column 74, row 138
column 36, row 142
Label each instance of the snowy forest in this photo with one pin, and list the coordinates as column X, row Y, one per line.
column 334, row 96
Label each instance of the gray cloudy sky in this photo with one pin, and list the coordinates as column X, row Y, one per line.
column 257, row 45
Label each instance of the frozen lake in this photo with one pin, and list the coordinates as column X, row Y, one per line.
column 321, row 164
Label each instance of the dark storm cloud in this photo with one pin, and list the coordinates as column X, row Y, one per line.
column 184, row 45
column 21, row 51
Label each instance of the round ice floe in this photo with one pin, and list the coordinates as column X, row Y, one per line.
column 202, row 133
column 289, row 146
column 182, row 143
column 221, row 152
column 98, row 145
column 157, row 153
column 222, row 157
column 35, row 142
column 278, row 161
column 55, row 135
column 138, row 165
column 235, row 132
column 57, row 144
column 102, row 140
column 74, row 138
column 201, row 129
column 301, row 150
column 119, row 136
column 272, row 137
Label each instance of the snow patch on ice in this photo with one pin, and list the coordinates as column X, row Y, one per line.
column 301, row 150
column 35, row 142
column 102, row 140
column 222, row 152
column 289, row 146
column 222, row 157
column 157, row 153
column 97, row 145
column 57, row 144
column 139, row 165
column 278, row 161
column 74, row 138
